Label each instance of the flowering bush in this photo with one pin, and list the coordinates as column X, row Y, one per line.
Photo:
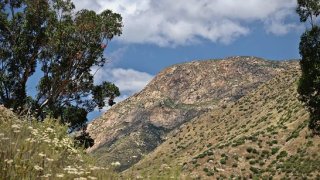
column 34, row 150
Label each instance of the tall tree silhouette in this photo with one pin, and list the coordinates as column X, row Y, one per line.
column 309, row 85
column 65, row 45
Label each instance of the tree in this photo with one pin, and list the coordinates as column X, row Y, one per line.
column 309, row 84
column 65, row 45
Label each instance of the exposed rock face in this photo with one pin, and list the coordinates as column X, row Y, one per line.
column 136, row 126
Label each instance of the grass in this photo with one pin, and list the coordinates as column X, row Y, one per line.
column 36, row 150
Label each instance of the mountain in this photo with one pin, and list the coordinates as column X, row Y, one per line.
column 135, row 127
column 263, row 135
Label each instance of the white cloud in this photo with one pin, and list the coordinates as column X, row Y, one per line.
column 181, row 22
column 277, row 23
column 129, row 81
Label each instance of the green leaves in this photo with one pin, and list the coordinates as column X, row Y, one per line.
column 308, row 9
column 101, row 92
column 66, row 44
column 111, row 24
column 309, row 83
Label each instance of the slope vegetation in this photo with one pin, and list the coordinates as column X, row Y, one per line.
column 138, row 125
column 262, row 135
column 42, row 150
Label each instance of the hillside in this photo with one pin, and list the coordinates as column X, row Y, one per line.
column 262, row 135
column 136, row 126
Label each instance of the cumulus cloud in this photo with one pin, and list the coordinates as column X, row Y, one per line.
column 129, row 81
column 180, row 22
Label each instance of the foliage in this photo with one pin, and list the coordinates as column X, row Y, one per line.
column 66, row 45
column 309, row 85
column 84, row 139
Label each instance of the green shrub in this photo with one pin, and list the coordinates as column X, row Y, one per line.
column 239, row 142
column 252, row 150
column 274, row 150
column 255, row 170
column 223, row 161
column 200, row 156
column 282, row 154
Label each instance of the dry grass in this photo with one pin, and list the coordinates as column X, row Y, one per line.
column 34, row 150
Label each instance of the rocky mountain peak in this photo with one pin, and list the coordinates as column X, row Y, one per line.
column 176, row 95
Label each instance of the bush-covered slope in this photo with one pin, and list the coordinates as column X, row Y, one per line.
column 138, row 125
column 262, row 135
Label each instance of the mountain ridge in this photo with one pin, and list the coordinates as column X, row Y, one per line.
column 179, row 93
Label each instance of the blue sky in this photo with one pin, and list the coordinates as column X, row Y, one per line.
column 160, row 33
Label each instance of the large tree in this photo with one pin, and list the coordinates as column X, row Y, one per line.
column 309, row 85
column 65, row 45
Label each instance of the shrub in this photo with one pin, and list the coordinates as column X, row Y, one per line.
column 282, row 154
column 255, row 170
column 274, row 150
column 223, row 161
column 239, row 142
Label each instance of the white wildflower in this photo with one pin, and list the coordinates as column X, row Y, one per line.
column 94, row 168
column 47, row 140
column 38, row 168
column 71, row 170
column 42, row 154
column 59, row 175
column 116, row 164
column 93, row 178
column 47, row 175
column 34, row 132
column 49, row 130
column 16, row 131
column 8, row 161
column 80, row 178
column 1, row 134
column 50, row 160
column 16, row 126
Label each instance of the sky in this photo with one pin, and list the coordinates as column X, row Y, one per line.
column 160, row 33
